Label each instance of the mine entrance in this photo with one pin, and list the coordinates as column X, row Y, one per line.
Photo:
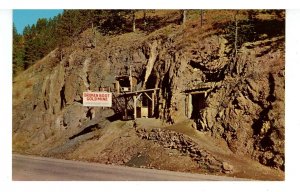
column 198, row 104
column 196, row 95
column 195, row 103
column 144, row 108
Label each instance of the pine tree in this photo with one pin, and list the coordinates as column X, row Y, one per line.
column 113, row 21
column 18, row 52
column 30, row 55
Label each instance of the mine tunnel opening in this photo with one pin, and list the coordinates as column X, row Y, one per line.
column 198, row 104
column 195, row 105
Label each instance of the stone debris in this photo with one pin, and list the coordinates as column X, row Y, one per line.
column 186, row 146
column 227, row 168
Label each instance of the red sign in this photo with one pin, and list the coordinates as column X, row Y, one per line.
column 101, row 99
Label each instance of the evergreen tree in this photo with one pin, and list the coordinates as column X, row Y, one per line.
column 30, row 55
column 47, row 34
column 18, row 52
column 113, row 21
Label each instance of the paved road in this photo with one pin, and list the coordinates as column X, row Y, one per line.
column 32, row 168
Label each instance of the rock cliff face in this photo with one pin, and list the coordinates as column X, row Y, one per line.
column 244, row 104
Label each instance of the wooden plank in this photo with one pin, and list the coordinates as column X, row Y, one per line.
column 140, row 91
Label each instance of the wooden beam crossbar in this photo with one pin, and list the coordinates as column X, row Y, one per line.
column 136, row 92
column 192, row 91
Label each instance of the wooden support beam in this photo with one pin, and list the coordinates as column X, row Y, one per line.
column 117, row 87
column 130, row 78
column 138, row 97
column 126, row 113
column 153, row 103
column 135, row 96
column 190, row 106
column 186, row 105
column 141, row 91
column 134, row 106
column 148, row 96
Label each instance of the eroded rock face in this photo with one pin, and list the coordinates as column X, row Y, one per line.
column 244, row 106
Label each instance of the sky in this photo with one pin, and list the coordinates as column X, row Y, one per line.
column 22, row 17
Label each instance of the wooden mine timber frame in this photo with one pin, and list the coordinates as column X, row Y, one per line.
column 203, row 88
column 188, row 102
column 128, row 82
column 123, row 78
column 136, row 96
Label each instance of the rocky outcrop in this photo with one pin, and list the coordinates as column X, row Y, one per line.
column 244, row 106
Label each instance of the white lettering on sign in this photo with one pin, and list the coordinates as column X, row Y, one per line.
column 101, row 99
